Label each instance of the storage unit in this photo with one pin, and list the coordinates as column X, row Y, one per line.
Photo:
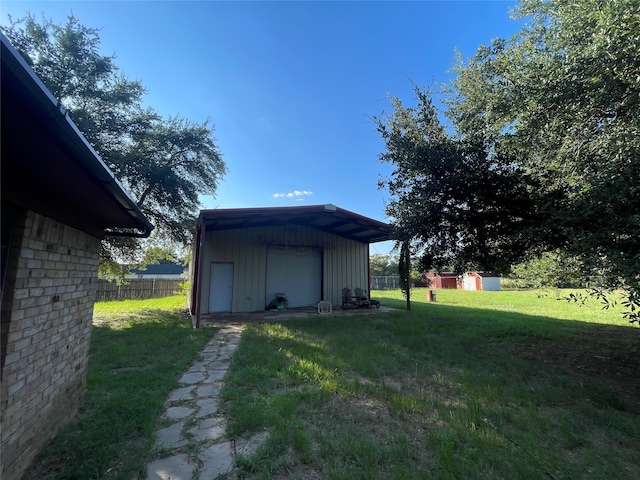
column 442, row 280
column 481, row 281
column 308, row 253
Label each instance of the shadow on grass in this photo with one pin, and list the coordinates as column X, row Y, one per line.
column 592, row 352
column 468, row 392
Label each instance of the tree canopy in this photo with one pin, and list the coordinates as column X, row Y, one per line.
column 459, row 204
column 165, row 163
column 383, row 265
column 541, row 151
column 550, row 270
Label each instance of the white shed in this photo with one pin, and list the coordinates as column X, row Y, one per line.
column 480, row 281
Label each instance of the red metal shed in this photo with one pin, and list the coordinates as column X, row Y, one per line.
column 443, row 280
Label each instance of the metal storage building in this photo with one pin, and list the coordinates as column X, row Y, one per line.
column 243, row 257
column 443, row 280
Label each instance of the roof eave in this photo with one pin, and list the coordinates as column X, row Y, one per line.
column 349, row 225
column 40, row 100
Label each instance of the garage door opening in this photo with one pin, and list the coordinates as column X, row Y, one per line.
column 296, row 273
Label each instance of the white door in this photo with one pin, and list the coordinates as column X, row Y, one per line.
column 221, row 287
column 298, row 274
column 469, row 283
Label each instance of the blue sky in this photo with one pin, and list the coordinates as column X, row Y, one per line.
column 290, row 86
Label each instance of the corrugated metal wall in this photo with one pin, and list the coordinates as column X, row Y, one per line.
column 344, row 262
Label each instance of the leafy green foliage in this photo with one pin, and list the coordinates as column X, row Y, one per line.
column 547, row 122
column 562, row 98
column 165, row 163
column 383, row 265
column 551, row 270
column 459, row 203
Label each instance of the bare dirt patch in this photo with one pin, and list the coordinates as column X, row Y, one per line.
column 248, row 446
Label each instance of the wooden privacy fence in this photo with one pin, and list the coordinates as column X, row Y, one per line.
column 137, row 288
column 385, row 283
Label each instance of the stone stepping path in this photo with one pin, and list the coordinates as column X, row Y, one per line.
column 195, row 436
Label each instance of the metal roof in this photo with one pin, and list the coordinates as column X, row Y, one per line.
column 327, row 218
column 49, row 167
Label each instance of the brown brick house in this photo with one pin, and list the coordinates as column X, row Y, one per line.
column 58, row 200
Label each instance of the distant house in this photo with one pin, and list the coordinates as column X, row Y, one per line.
column 58, row 200
column 164, row 269
column 480, row 281
column 443, row 280
column 245, row 257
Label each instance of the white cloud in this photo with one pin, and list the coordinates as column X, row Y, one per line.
column 295, row 193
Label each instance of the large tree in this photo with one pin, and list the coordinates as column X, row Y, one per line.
column 555, row 112
column 165, row 163
column 459, row 205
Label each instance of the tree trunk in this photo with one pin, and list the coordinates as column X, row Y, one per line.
column 404, row 268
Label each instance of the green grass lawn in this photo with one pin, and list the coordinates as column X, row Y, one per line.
column 139, row 350
column 548, row 303
column 476, row 385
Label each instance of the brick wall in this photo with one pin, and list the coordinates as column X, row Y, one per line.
column 47, row 308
